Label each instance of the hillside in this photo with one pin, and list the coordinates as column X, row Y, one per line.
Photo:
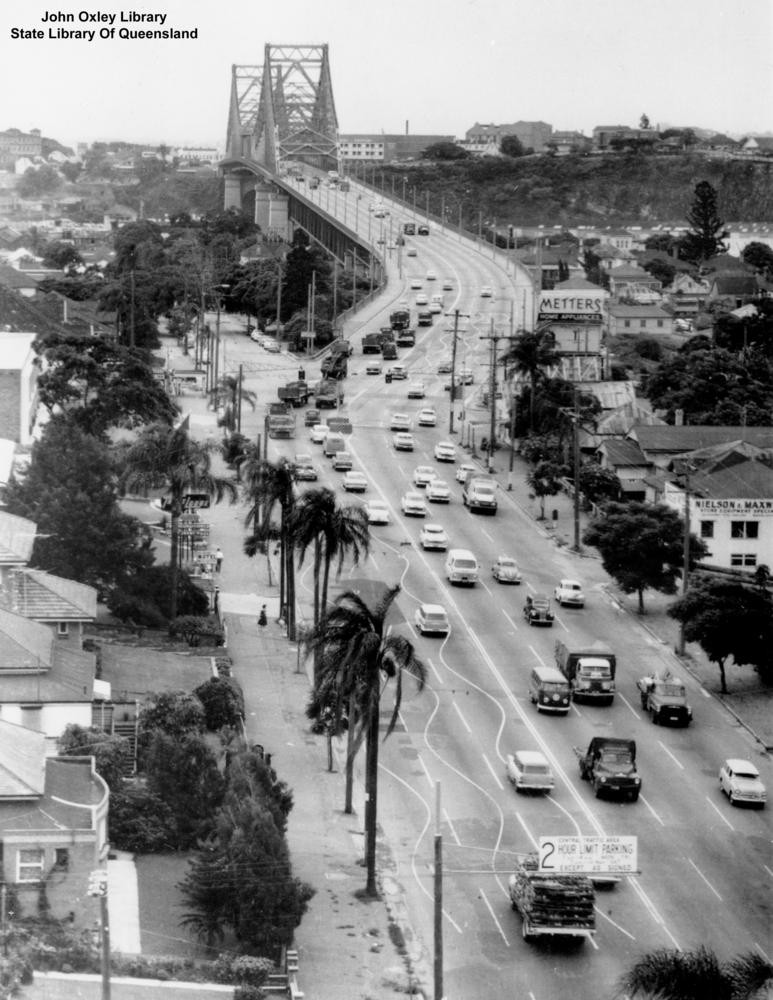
column 632, row 190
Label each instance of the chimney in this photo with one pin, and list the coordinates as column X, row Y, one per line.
column 678, row 418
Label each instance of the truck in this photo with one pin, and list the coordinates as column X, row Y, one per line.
column 609, row 764
column 406, row 337
column 335, row 366
column 479, row 494
column 552, row 904
column 665, row 698
column 281, row 425
column 372, row 342
column 590, row 671
column 341, row 346
column 389, row 350
column 424, row 318
column 275, row 409
column 400, row 319
column 294, row 393
column 327, row 394
column 409, row 228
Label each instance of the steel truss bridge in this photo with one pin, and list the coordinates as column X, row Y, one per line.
column 282, row 116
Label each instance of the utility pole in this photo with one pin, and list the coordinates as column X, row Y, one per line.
column 494, row 338
column 239, row 400
column 512, row 442
column 98, row 887
column 457, row 314
column 438, row 893
column 576, row 449
column 686, row 469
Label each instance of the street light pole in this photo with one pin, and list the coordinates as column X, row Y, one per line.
column 576, row 449
column 457, row 314
column 685, row 550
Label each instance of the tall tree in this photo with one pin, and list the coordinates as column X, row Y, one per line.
column 545, row 480
column 760, row 257
column 303, row 261
column 669, row 974
column 358, row 655
column 706, row 237
column 169, row 458
column 641, row 546
column 728, row 619
column 230, row 393
column 531, row 355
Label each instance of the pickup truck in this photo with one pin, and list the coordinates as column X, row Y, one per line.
column 609, row 764
column 590, row 671
column 665, row 698
column 552, row 904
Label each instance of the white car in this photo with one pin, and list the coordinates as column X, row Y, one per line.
column 438, row 491
column 399, row 373
column 445, row 451
column 431, row 619
column 433, row 536
column 373, row 368
column 421, row 299
column 423, row 474
column 466, row 377
column 304, row 468
column 529, row 770
column 342, row 461
column 318, row 433
column 448, row 285
column 416, row 283
column 413, row 504
column 271, row 346
column 416, row 390
column 410, row 252
column 505, row 570
column 486, row 292
column 403, row 441
column 431, row 276
column 569, row 592
column 427, row 417
column 400, row 422
column 465, row 470
column 435, row 308
column 355, row 482
column 740, row 781
column 377, row 512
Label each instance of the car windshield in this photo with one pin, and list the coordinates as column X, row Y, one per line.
column 556, row 686
column 747, row 775
column 435, row 617
column 507, row 563
column 535, row 769
column 617, row 760
column 465, row 564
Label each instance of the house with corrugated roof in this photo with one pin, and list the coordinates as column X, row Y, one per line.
column 642, row 318
column 53, row 825
column 662, row 443
column 21, row 282
column 628, row 462
column 633, row 282
column 734, row 289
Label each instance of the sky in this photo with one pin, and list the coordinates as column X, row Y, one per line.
column 438, row 65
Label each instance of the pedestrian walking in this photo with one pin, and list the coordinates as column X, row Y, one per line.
column 262, row 620
column 218, row 559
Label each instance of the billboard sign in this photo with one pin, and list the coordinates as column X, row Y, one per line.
column 571, row 307
column 588, row 855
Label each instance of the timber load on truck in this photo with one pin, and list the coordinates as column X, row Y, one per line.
column 590, row 671
column 552, row 904
column 294, row 393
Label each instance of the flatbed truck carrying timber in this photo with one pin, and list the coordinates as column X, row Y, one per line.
column 552, row 904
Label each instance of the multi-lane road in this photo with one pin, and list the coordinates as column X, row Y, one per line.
column 706, row 872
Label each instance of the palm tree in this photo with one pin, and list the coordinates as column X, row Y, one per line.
column 267, row 485
column 696, row 975
column 168, row 458
column 231, row 392
column 530, row 355
column 357, row 657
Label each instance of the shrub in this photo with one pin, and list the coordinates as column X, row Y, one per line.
column 223, row 703
column 197, row 630
column 145, row 598
column 140, row 821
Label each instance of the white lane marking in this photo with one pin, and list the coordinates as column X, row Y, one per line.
column 560, row 622
column 507, row 616
column 484, row 532
column 614, row 924
column 485, row 588
column 537, row 657
column 451, row 828
column 493, row 915
column 665, row 748
column 762, row 952
column 700, row 873
column 646, row 803
column 768, row 870
column 435, row 671
column 493, row 772
column 459, row 713
column 721, row 815
column 649, row 905
column 704, row 692
column 428, row 776
column 527, row 831
column 630, row 707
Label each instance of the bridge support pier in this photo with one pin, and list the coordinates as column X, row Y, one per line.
column 233, row 192
column 271, row 212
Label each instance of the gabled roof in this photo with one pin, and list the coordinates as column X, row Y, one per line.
column 642, row 311
column 24, row 645
column 576, row 282
column 22, row 761
column 628, row 272
column 749, row 480
column 44, row 597
column 667, row 439
column 20, row 314
column 624, row 452
column 17, row 536
column 735, row 284
column 622, row 418
column 11, row 278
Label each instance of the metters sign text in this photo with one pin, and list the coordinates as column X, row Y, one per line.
column 570, row 307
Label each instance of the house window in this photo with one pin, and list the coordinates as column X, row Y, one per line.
column 627, row 323
column 643, row 324
column 743, row 559
column 63, row 629
column 707, row 529
column 29, row 864
column 744, row 529
column 660, row 324
column 62, row 858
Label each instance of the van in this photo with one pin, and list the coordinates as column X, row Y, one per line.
column 333, row 444
column 461, row 567
column 549, row 690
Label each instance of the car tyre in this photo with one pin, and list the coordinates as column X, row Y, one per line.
column 634, row 796
column 731, row 797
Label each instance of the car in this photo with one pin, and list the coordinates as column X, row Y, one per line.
column 422, row 230
column 410, row 252
column 271, row 346
column 373, row 368
column 466, row 377
column 403, row 304
column 431, row 276
column 377, row 512
column 528, row 770
column 400, row 422
column 445, row 368
column 342, row 461
column 318, row 433
column 416, row 283
column 427, row 417
column 421, row 299
column 505, row 570
column 569, row 593
column 256, row 336
column 398, row 373
column 445, row 451
column 537, row 611
column 448, row 285
column 423, row 474
column 486, row 292
column 310, row 418
column 403, row 441
column 379, row 212
column 431, row 619
column 740, row 781
column 304, row 468
column 416, row 390
column 438, row 491
column 355, row 482
column 413, row 505
column 433, row 536
column 435, row 308
column 464, row 470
